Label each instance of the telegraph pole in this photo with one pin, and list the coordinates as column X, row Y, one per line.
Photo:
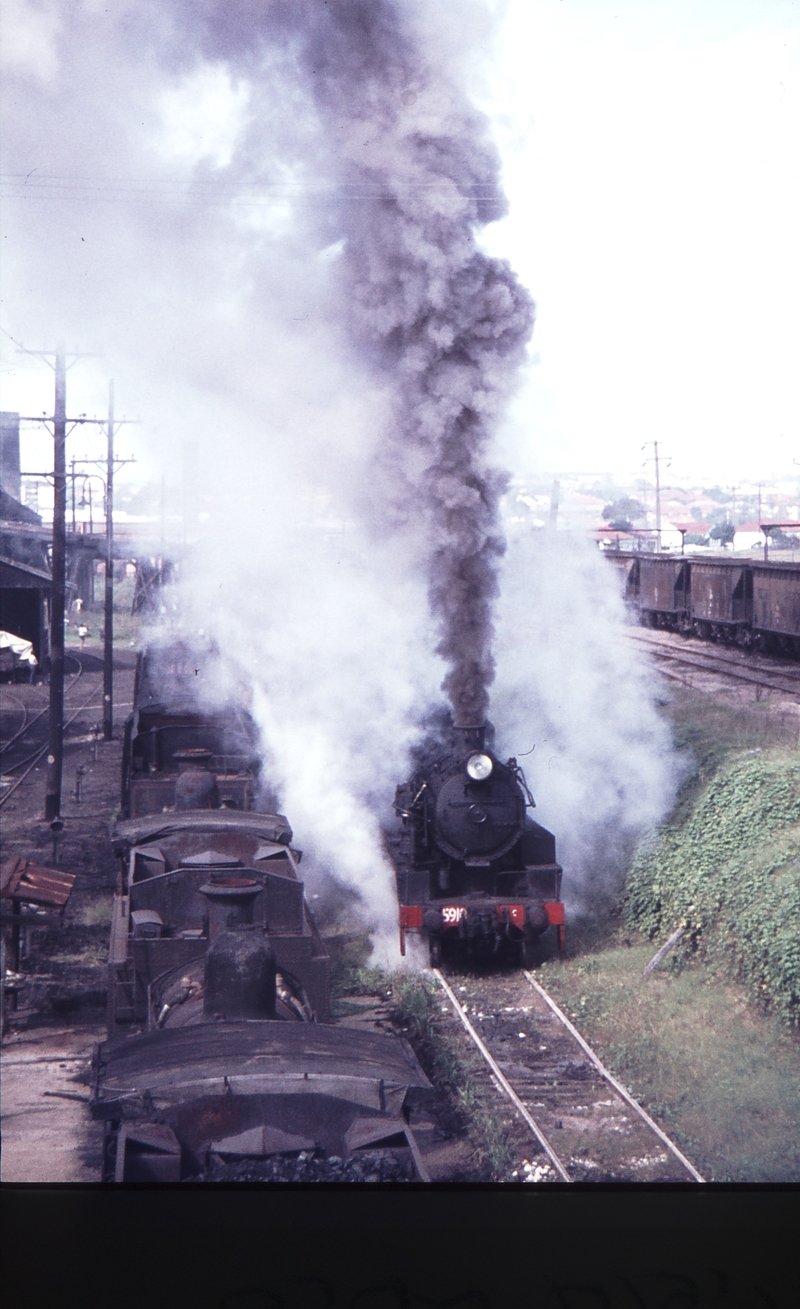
column 55, row 754
column 656, row 461
column 554, row 498
column 108, row 630
column 658, row 496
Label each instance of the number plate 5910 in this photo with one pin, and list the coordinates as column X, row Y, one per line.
column 453, row 913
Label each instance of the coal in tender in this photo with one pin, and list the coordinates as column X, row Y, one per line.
column 367, row 1166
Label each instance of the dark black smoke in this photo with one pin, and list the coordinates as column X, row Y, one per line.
column 412, row 178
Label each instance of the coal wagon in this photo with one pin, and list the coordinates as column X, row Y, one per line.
column 752, row 604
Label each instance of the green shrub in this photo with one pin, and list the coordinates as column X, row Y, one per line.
column 728, row 870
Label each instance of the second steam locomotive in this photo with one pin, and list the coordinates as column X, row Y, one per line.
column 475, row 873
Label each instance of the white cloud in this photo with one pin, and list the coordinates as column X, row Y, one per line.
column 201, row 118
column 29, row 36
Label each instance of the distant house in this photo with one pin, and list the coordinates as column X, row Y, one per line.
column 748, row 536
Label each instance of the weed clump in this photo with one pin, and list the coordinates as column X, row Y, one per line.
column 415, row 1014
column 728, row 870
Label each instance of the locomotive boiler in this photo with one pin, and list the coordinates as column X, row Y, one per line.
column 475, row 873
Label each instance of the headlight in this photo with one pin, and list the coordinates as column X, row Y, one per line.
column 479, row 766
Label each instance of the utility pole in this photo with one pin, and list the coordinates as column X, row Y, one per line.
column 55, row 754
column 554, row 499
column 108, row 631
column 656, row 461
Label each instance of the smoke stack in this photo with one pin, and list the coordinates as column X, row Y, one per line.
column 472, row 739
column 196, row 787
column 239, row 979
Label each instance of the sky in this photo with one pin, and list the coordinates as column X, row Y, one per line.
column 650, row 156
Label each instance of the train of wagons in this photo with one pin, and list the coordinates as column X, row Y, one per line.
column 221, row 1063
column 748, row 603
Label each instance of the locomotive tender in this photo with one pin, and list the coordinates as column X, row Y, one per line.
column 220, row 1054
column 475, row 873
column 749, row 603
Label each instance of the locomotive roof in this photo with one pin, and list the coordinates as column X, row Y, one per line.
column 154, row 827
column 262, row 1057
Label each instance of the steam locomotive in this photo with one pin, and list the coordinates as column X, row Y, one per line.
column 220, row 1062
column 176, row 754
column 476, row 875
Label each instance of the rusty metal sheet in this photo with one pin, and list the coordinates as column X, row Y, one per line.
column 662, row 584
column 263, row 1140
column 371, row 1131
column 154, row 1136
column 776, row 599
column 260, row 1057
column 713, row 587
column 30, row 883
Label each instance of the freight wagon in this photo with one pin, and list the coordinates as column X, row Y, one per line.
column 748, row 603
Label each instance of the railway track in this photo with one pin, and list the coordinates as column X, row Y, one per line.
column 27, row 721
column 573, row 1120
column 758, row 670
column 32, row 759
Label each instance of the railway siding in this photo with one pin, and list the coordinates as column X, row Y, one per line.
column 759, row 671
column 594, row 1133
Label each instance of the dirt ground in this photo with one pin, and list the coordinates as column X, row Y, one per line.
column 47, row 1135
column 57, row 1014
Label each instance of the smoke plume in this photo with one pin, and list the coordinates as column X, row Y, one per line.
column 266, row 215
column 443, row 324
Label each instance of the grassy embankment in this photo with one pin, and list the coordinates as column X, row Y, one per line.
column 709, row 1041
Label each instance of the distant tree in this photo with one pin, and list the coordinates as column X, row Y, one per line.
column 622, row 514
column 781, row 540
column 716, row 493
column 723, row 532
column 692, row 538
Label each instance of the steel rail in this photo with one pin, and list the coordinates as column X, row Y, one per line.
column 667, row 639
column 33, row 759
column 29, row 722
column 611, row 1079
column 7, row 744
column 721, row 667
column 502, row 1082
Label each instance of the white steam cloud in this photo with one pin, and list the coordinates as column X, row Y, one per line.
column 572, row 689
column 265, row 214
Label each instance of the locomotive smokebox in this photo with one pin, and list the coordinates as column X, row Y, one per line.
column 240, row 976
